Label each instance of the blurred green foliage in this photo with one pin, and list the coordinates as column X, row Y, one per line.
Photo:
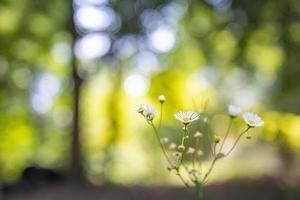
column 241, row 52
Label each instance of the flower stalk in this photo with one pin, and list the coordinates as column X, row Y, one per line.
column 193, row 174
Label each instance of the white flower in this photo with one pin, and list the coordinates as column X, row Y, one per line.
column 234, row 111
column 253, row 120
column 191, row 151
column 186, row 117
column 161, row 98
column 149, row 112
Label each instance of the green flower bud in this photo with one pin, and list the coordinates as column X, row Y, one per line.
column 217, row 139
column 181, row 148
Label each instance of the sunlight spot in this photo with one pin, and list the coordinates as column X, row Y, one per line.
column 45, row 89
column 136, row 85
column 162, row 39
column 92, row 46
column 93, row 18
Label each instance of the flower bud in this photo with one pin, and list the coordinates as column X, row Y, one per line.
column 233, row 111
column 164, row 140
column 172, row 146
column 217, row 139
column 177, row 155
column 198, row 135
column 140, row 110
column 161, row 98
column 191, row 151
column 181, row 148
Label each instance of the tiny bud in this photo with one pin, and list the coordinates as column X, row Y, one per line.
column 140, row 110
column 181, row 148
column 161, row 98
column 217, row 139
column 184, row 128
column 164, row 140
column 249, row 137
column 191, row 151
column 198, row 135
column 187, row 137
column 233, row 111
column 177, row 155
column 199, row 153
column 220, row 155
column 172, row 146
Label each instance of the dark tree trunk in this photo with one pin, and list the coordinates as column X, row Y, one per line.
column 76, row 164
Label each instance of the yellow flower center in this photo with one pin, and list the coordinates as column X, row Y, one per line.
column 185, row 119
column 251, row 122
column 149, row 114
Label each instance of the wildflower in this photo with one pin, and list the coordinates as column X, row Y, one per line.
column 164, row 140
column 186, row 117
column 191, row 151
column 172, row 146
column 234, row 111
column 148, row 111
column 161, row 98
column 198, row 135
column 253, row 120
column 217, row 139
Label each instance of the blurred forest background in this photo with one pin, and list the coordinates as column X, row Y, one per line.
column 72, row 72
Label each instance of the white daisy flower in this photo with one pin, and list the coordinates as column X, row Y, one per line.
column 149, row 112
column 161, row 98
column 253, row 120
column 233, row 110
column 186, row 117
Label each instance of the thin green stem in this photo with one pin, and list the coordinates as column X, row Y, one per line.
column 215, row 149
column 181, row 178
column 237, row 140
column 161, row 145
column 161, row 115
column 183, row 141
column 209, row 170
column 226, row 135
column 166, row 155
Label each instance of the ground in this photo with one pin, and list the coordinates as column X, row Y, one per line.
column 261, row 189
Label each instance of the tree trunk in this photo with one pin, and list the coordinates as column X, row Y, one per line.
column 76, row 165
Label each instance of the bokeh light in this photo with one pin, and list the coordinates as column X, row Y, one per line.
column 92, row 46
column 136, row 85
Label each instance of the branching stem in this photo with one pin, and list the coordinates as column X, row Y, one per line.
column 237, row 140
